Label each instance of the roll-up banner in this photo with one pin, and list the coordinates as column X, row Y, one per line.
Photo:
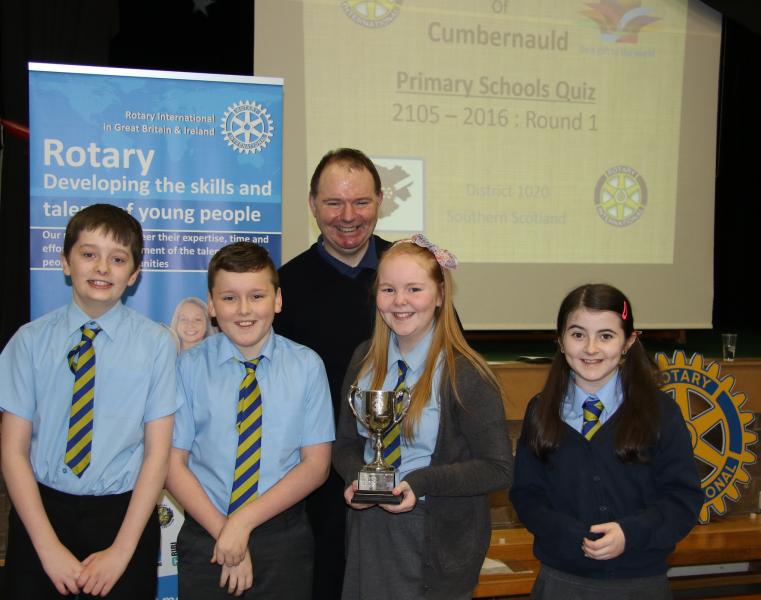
column 195, row 158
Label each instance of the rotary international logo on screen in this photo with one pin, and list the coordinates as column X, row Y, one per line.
column 371, row 14
column 620, row 196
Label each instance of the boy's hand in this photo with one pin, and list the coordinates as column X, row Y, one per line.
column 63, row 568
column 610, row 545
column 232, row 544
column 239, row 578
column 409, row 499
column 102, row 570
column 349, row 494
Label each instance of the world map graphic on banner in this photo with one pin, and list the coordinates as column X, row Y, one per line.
column 197, row 159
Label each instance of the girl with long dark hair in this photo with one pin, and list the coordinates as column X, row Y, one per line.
column 605, row 477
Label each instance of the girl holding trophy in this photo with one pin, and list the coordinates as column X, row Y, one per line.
column 605, row 478
column 429, row 539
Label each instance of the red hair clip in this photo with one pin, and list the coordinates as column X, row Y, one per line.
column 625, row 312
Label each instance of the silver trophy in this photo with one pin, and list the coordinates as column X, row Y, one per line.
column 378, row 411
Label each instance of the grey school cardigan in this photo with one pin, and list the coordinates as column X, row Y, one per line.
column 472, row 457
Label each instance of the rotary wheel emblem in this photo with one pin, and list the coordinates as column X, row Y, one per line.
column 247, row 127
column 620, row 196
column 371, row 14
column 717, row 426
column 166, row 515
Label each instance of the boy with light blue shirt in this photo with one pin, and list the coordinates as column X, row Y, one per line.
column 88, row 408
column 251, row 441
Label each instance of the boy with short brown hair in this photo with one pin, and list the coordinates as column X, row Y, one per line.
column 252, row 439
column 88, row 402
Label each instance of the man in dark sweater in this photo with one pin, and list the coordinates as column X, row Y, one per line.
column 328, row 306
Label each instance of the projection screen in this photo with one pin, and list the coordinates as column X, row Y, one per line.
column 547, row 143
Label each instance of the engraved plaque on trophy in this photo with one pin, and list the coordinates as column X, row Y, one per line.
column 378, row 411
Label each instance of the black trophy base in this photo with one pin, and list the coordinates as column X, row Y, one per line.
column 375, row 497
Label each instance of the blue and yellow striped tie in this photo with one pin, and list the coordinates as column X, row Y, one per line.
column 248, row 456
column 79, row 438
column 392, row 448
column 592, row 408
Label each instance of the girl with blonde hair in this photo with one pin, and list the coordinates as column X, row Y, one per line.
column 190, row 322
column 452, row 450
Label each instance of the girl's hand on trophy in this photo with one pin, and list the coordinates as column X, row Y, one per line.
column 349, row 494
column 409, row 499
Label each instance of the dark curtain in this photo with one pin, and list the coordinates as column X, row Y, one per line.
column 207, row 36
column 738, row 200
column 36, row 30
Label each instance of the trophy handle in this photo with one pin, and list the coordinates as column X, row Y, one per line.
column 403, row 397
column 352, row 394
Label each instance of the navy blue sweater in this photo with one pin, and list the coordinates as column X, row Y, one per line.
column 584, row 483
column 327, row 311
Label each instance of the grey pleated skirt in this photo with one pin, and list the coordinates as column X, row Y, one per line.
column 555, row 585
column 384, row 555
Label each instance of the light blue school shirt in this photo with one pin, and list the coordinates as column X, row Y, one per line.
column 416, row 453
column 609, row 394
column 134, row 384
column 296, row 410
